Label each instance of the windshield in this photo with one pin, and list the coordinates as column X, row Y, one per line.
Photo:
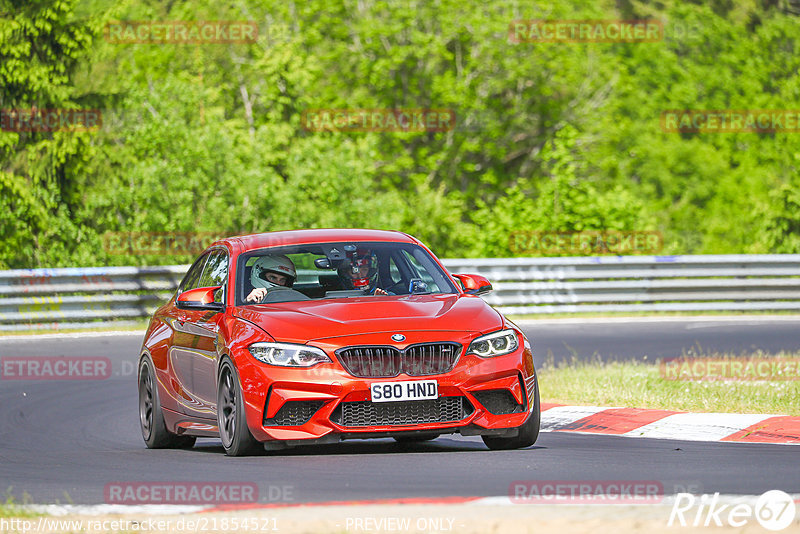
column 337, row 270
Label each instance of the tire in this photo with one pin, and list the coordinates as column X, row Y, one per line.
column 528, row 432
column 233, row 431
column 151, row 418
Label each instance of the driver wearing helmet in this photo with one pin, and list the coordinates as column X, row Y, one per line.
column 268, row 273
column 361, row 272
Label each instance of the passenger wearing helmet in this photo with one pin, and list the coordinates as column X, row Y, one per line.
column 360, row 271
column 268, row 273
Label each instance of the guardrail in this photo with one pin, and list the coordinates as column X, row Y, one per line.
column 768, row 282
column 64, row 298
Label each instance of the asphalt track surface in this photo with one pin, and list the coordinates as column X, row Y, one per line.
column 64, row 441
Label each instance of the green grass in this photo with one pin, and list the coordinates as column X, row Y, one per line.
column 140, row 325
column 639, row 384
column 11, row 508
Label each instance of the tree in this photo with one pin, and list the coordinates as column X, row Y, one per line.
column 40, row 50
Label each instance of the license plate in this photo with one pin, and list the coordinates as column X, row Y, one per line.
column 404, row 391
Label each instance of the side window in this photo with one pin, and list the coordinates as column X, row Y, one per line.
column 190, row 281
column 215, row 273
column 422, row 272
column 394, row 272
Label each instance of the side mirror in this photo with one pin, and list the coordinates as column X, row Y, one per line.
column 322, row 263
column 474, row 284
column 416, row 285
column 201, row 298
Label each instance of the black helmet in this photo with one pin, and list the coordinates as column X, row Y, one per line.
column 359, row 270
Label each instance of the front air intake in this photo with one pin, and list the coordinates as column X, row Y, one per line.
column 366, row 413
column 498, row 401
column 294, row 413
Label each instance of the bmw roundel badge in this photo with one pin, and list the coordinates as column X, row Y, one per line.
column 398, row 337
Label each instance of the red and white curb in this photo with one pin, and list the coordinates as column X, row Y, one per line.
column 500, row 500
column 666, row 424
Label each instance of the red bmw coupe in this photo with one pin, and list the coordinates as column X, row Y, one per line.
column 313, row 336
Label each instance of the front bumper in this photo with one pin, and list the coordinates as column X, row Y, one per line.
column 480, row 396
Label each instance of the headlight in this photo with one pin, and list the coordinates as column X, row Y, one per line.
column 288, row 354
column 495, row 344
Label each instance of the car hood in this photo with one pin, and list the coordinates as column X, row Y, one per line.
column 304, row 321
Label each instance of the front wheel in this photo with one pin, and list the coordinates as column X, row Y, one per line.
column 231, row 418
column 151, row 418
column 528, row 432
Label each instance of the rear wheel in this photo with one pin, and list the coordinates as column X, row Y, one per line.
column 236, row 437
column 151, row 418
column 528, row 432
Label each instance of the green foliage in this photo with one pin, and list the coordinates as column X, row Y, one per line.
column 40, row 176
column 548, row 136
column 565, row 202
column 782, row 223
